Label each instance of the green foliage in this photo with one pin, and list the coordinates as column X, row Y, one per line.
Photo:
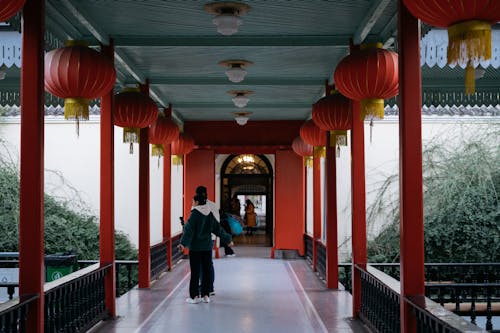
column 66, row 229
column 461, row 204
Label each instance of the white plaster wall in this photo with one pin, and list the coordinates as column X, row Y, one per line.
column 77, row 159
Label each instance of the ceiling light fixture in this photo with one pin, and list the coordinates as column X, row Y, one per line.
column 236, row 69
column 240, row 98
column 227, row 17
column 241, row 117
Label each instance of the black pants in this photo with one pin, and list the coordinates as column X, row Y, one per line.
column 199, row 260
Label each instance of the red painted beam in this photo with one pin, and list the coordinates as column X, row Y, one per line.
column 358, row 205
column 167, row 202
column 410, row 166
column 332, row 259
column 236, row 150
column 31, row 222
column 254, row 133
column 316, row 207
column 144, row 227
column 107, row 198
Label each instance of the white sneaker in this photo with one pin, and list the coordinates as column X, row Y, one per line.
column 212, row 293
column 232, row 255
column 195, row 300
column 206, row 299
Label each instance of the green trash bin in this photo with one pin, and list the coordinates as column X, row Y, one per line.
column 57, row 266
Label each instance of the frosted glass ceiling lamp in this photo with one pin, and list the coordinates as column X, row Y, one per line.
column 241, row 117
column 236, row 69
column 240, row 98
column 228, row 16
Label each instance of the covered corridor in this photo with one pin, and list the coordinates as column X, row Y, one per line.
column 253, row 294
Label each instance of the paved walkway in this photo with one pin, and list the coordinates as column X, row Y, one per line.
column 253, row 294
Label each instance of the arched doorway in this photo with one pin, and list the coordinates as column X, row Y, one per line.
column 250, row 177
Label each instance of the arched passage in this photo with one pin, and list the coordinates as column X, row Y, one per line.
column 250, row 176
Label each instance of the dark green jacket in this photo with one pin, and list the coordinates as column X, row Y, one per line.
column 198, row 232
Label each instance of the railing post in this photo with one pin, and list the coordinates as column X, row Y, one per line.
column 410, row 166
column 31, row 190
column 358, row 204
column 107, row 199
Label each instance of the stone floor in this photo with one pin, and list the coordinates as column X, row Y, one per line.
column 253, row 294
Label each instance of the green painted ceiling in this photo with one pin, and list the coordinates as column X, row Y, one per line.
column 294, row 45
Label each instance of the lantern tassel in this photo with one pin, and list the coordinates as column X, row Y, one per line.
column 337, row 153
column 319, row 152
column 371, row 129
column 131, row 134
column 308, row 162
column 76, row 108
column 177, row 159
column 470, row 81
column 157, row 150
column 373, row 107
column 469, row 40
column 131, row 148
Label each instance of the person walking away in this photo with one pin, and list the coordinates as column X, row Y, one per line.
column 197, row 238
column 235, row 205
column 250, row 217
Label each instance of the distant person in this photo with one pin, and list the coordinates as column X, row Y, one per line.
column 197, row 237
column 250, row 217
column 228, row 251
column 235, row 206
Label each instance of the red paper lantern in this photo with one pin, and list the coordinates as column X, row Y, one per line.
column 333, row 113
column 314, row 136
column 469, row 29
column 302, row 148
column 162, row 132
column 368, row 75
column 9, row 8
column 78, row 74
column 133, row 110
column 182, row 146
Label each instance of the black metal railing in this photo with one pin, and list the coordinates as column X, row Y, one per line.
column 159, row 264
column 379, row 302
column 126, row 274
column 345, row 276
column 321, row 260
column 380, row 308
column 75, row 302
column 432, row 318
column 468, row 299
column 176, row 253
column 13, row 314
column 308, row 243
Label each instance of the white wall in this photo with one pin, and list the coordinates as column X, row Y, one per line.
column 77, row 159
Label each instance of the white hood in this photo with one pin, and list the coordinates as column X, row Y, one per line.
column 204, row 209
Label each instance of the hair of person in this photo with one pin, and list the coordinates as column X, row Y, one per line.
column 200, row 199
column 202, row 190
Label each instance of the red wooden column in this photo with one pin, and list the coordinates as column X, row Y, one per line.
column 199, row 169
column 332, row 258
column 144, row 232
column 107, row 195
column 316, row 205
column 31, row 222
column 358, row 205
column 410, row 165
column 167, row 201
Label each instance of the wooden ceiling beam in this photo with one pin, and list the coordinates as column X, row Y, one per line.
column 341, row 41
column 370, row 19
column 262, row 81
